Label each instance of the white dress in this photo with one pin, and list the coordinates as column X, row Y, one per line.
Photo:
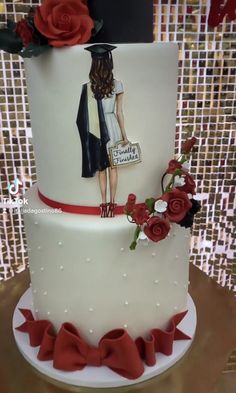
column 109, row 108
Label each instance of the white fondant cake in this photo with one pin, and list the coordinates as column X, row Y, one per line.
column 82, row 269
column 149, row 75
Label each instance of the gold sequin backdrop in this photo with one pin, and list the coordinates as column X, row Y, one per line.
column 206, row 109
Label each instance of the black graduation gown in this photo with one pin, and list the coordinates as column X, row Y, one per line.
column 94, row 151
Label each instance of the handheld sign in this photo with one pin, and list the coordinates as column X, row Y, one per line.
column 123, row 155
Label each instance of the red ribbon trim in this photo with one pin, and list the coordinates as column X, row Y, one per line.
column 116, row 349
column 76, row 209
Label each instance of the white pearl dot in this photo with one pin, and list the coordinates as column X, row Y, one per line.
column 168, row 235
column 66, row 311
column 175, row 282
column 39, row 247
column 35, row 291
column 48, row 313
column 31, row 284
column 175, row 308
column 125, row 325
column 61, row 267
column 59, row 243
column 88, row 260
column 45, row 293
column 36, row 310
column 90, row 309
column 126, row 303
column 122, row 249
column 91, row 331
column 36, row 223
column 42, row 269
column 176, row 256
column 158, row 304
column 124, row 275
column 153, row 254
column 189, row 283
column 156, row 281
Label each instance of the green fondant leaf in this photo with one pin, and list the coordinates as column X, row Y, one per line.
column 136, row 235
column 98, row 24
column 11, row 25
column 177, row 172
column 133, row 246
column 150, row 202
column 9, row 41
column 34, row 50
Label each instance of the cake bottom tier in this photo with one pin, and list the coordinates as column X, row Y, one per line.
column 99, row 376
column 83, row 271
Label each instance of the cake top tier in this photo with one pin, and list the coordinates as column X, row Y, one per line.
column 124, row 21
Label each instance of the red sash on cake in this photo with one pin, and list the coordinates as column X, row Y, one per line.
column 76, row 209
column 116, row 349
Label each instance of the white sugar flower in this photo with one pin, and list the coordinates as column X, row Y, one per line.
column 186, row 166
column 160, row 206
column 179, row 181
column 143, row 239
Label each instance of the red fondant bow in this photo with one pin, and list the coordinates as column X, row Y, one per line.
column 70, row 352
column 161, row 340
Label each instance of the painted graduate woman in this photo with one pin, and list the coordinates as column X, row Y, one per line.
column 101, row 124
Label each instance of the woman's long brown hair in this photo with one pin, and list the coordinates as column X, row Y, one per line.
column 101, row 77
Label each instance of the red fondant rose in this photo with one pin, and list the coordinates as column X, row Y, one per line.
column 189, row 186
column 157, row 228
column 64, row 22
column 173, row 165
column 178, row 204
column 130, row 204
column 24, row 31
column 140, row 215
column 188, row 145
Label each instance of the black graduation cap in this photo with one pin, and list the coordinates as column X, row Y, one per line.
column 100, row 51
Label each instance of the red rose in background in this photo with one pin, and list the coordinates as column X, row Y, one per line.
column 24, row 31
column 64, row 22
column 189, row 186
column 188, row 144
column 173, row 165
column 178, row 204
column 157, row 228
column 140, row 215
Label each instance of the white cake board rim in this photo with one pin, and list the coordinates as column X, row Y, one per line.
column 100, row 377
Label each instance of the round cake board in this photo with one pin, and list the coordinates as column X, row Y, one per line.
column 100, row 377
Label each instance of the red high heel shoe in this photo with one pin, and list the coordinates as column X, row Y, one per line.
column 104, row 210
column 111, row 209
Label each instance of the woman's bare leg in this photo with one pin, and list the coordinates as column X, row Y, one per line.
column 113, row 180
column 103, row 185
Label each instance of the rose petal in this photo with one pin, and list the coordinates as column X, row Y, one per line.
column 46, row 7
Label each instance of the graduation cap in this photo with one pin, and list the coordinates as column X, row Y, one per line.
column 100, row 51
